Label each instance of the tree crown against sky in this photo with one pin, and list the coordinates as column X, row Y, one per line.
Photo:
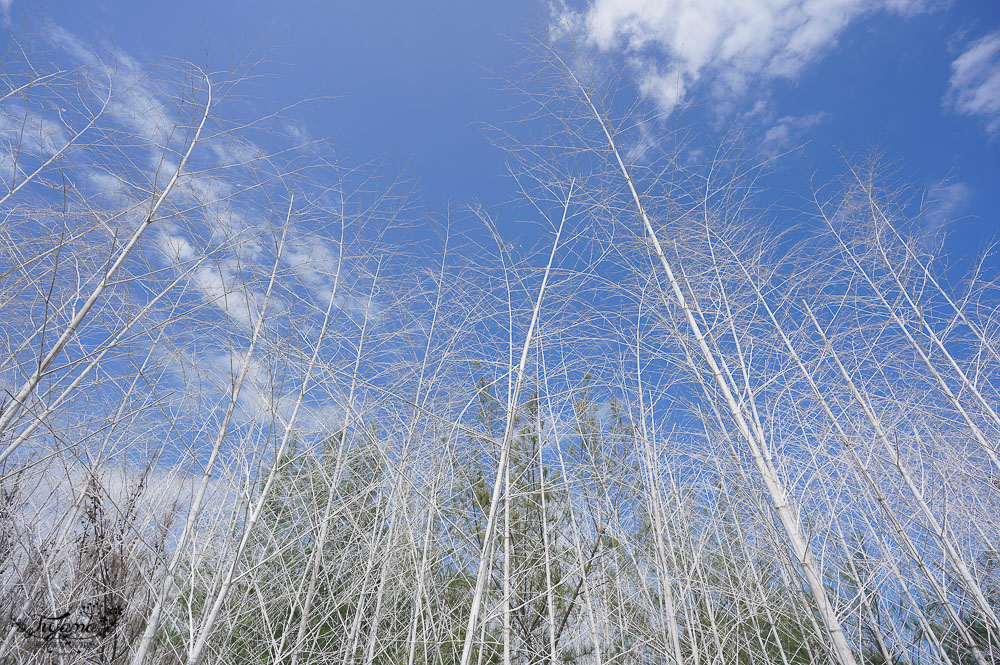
column 264, row 404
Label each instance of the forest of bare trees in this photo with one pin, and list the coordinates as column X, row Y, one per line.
column 258, row 407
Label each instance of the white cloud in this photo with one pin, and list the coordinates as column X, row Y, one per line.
column 23, row 129
column 312, row 259
column 133, row 101
column 943, row 203
column 789, row 129
column 27, row 139
column 105, row 186
column 222, row 286
column 176, row 247
column 731, row 44
column 298, row 133
column 645, row 146
column 974, row 86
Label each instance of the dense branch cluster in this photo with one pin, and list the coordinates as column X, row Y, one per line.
column 258, row 408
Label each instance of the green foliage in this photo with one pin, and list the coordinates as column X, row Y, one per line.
column 985, row 639
column 601, row 540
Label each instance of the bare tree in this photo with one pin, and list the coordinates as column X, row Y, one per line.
column 259, row 407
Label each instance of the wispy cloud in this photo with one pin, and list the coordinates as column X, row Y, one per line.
column 27, row 138
column 974, row 86
column 789, row 129
column 134, row 103
column 730, row 45
column 298, row 133
column 944, row 202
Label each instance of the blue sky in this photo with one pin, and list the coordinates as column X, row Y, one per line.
column 409, row 83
